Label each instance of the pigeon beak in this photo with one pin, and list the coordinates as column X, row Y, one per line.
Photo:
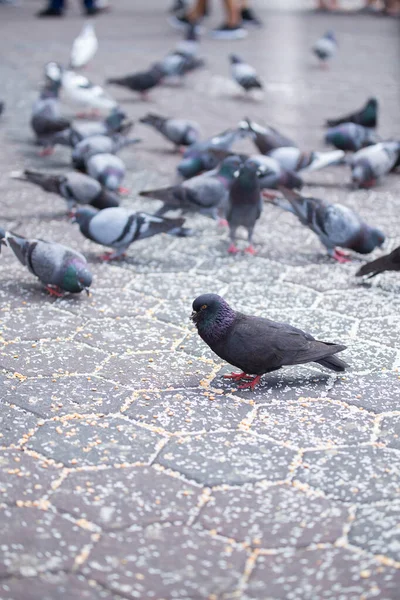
column 194, row 316
column 87, row 291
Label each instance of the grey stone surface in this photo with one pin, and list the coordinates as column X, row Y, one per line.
column 54, row 585
column 14, row 425
column 377, row 529
column 390, row 431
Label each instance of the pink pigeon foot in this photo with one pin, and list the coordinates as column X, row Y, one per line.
column 55, row 291
column 222, row 223
column 123, row 190
column 232, row 249
column 238, row 376
column 341, row 256
column 250, row 250
column 251, row 384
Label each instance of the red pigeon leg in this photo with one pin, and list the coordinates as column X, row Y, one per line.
column 55, row 291
column 251, row 384
column 250, row 250
column 341, row 256
column 233, row 249
column 238, row 376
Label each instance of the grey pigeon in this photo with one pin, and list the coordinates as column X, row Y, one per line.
column 46, row 119
column 325, row 47
column 293, row 159
column 245, row 75
column 334, row 224
column 206, row 194
column 366, row 116
column 180, row 132
column 256, row 345
column 388, row 262
column 265, row 138
column 108, row 169
column 60, row 268
column 76, row 188
column 370, row 164
column 350, row 136
column 118, row 228
column 245, row 204
column 272, row 174
column 98, row 144
column 140, row 82
column 183, row 59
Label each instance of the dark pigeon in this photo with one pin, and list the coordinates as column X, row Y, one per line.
column 257, row 345
column 265, row 138
column 180, row 132
column 272, row 174
column 140, row 82
column 351, row 137
column 366, row 116
column 389, row 262
column 245, row 75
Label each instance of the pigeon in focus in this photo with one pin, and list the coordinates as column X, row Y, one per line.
column 265, row 138
column 140, row 82
column 75, row 188
column 351, row 137
column 370, row 164
column 98, row 144
column 46, row 119
column 58, row 267
column 206, row 194
column 245, row 75
column 256, row 345
column 367, row 116
column 272, row 174
column 84, row 47
column 334, row 224
column 293, row 159
column 244, row 204
column 180, row 132
column 118, row 228
column 325, row 48
column 388, row 262
column 108, row 169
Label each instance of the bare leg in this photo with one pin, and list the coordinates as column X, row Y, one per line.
column 232, row 9
column 198, row 11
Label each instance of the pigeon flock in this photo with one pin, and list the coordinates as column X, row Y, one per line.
column 211, row 179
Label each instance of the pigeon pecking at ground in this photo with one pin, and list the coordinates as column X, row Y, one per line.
column 265, row 138
column 350, row 136
column 367, row 116
column 140, row 82
column 370, row 164
column 388, row 262
column 245, row 75
column 325, row 48
column 84, row 47
column 180, row 132
column 256, row 345
column 59, row 268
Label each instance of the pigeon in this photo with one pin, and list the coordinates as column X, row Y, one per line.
column 326, row 47
column 46, row 119
column 142, row 81
column 272, row 174
column 293, row 159
column 388, row 262
column 204, row 155
column 244, row 204
column 245, row 75
column 334, row 224
column 350, row 136
column 75, row 188
column 60, row 268
column 372, row 163
column 84, row 47
column 98, row 144
column 178, row 131
column 184, row 58
column 256, row 345
column 118, row 228
column 367, row 116
column 79, row 90
column 108, row 169
column 265, row 138
column 206, row 194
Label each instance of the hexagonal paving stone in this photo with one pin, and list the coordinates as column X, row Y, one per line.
column 34, row 541
column 377, row 529
column 119, row 498
column 35, row 323
column 320, row 277
column 367, row 306
column 367, row 356
column 51, row 586
column 165, row 562
column 325, row 574
column 376, row 392
column 390, row 431
column 124, row 303
column 306, row 423
column 48, row 397
column 14, row 424
column 254, row 298
column 231, row 458
column 94, row 441
column 364, row 474
column 384, row 330
column 23, row 477
column 188, row 410
column 273, row 517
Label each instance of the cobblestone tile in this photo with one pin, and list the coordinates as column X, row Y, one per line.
column 384, row 330
column 14, row 424
column 54, row 585
column 35, row 324
column 376, row 529
column 377, row 392
column 126, row 303
column 390, row 431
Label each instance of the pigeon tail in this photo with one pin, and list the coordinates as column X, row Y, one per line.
column 375, row 267
column 333, row 362
column 160, row 225
column 156, row 121
column 49, row 183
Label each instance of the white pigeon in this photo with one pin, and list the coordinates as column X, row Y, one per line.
column 84, row 47
column 325, row 48
column 80, row 90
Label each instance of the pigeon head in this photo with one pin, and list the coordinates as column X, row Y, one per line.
column 370, row 239
column 53, row 71
column 229, row 167
column 361, row 174
column 212, row 316
column 115, row 119
column 112, row 181
column 76, row 277
column 250, row 171
column 83, row 215
column 196, row 163
column 330, row 35
column 191, row 136
column 235, row 59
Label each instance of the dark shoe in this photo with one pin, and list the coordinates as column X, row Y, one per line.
column 182, row 23
column 228, row 32
column 49, row 12
column 92, row 12
column 250, row 18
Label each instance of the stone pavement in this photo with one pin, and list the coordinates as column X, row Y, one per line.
column 129, row 468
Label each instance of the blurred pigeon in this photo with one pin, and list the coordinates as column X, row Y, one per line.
column 98, row 144
column 245, row 75
column 189, row 46
column 61, row 269
column 76, row 188
column 257, row 345
column 206, row 194
column 265, row 138
column 366, row 116
column 118, row 228
column 388, row 262
column 293, row 159
column 272, row 174
column 334, row 224
column 108, row 169
column 350, row 136
column 178, row 131
column 46, row 119
column 184, row 58
column 326, row 47
column 142, row 81
column 245, row 204
column 84, row 47
column 372, row 163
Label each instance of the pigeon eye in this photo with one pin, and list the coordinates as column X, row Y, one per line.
column 203, row 307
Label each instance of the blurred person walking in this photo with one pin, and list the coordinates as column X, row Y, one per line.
column 55, row 8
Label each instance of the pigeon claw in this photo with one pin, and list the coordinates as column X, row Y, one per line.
column 222, row 223
column 109, row 256
column 237, row 376
column 54, row 291
column 232, row 249
column 251, row 384
column 341, row 256
column 123, row 190
column 250, row 250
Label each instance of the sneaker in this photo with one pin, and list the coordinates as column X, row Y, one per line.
column 49, row 12
column 182, row 23
column 250, row 18
column 228, row 32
